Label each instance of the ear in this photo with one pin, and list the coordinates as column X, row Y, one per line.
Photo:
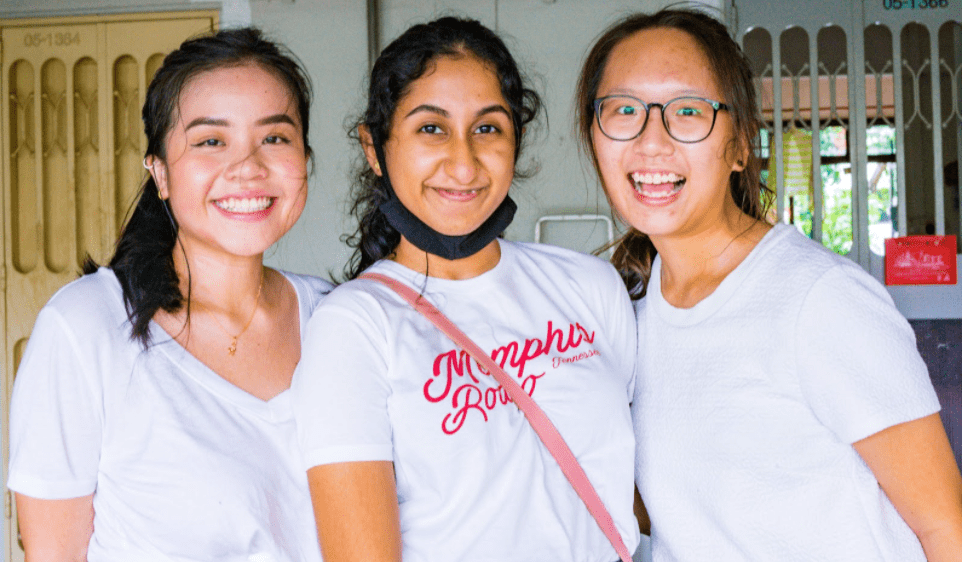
column 369, row 147
column 158, row 171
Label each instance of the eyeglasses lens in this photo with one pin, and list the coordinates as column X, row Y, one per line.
column 686, row 119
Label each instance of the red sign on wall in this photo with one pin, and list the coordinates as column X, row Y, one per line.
column 920, row 260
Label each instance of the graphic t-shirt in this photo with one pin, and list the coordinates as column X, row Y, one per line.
column 379, row 382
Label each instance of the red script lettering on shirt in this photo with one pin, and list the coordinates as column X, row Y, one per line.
column 472, row 396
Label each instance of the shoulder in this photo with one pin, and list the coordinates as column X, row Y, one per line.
column 85, row 323
column 94, row 300
column 815, row 262
column 787, row 244
column 561, row 261
column 788, row 255
column 359, row 299
column 566, row 274
column 310, row 288
column 845, row 287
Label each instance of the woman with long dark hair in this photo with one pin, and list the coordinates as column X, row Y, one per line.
column 782, row 411
column 413, row 451
column 151, row 413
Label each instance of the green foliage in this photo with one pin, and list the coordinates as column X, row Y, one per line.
column 837, row 219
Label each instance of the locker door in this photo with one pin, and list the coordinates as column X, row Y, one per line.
column 72, row 143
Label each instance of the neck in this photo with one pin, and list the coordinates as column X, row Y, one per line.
column 412, row 257
column 228, row 284
column 696, row 262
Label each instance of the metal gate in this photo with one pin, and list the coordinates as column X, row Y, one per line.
column 879, row 81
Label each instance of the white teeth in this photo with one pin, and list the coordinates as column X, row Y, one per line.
column 643, row 180
column 656, row 179
column 247, row 205
column 458, row 191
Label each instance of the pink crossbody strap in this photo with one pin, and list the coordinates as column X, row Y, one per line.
column 537, row 418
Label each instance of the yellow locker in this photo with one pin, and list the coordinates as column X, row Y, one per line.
column 71, row 147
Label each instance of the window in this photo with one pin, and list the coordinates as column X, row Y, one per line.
column 837, row 182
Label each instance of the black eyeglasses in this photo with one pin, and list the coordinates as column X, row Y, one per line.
column 687, row 119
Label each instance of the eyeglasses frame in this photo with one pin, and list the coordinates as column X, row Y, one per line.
column 716, row 105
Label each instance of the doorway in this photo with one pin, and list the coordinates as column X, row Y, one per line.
column 72, row 143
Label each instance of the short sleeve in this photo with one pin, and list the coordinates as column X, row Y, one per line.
column 341, row 387
column 622, row 330
column 859, row 367
column 56, row 416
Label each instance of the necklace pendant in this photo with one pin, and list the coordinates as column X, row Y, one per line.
column 233, row 347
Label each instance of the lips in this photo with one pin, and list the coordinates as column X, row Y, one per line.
column 457, row 194
column 245, row 205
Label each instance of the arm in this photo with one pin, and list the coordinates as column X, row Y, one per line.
column 55, row 530
column 356, row 511
column 915, row 467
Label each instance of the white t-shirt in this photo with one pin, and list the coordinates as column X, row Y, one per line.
column 747, row 405
column 183, row 465
column 379, row 382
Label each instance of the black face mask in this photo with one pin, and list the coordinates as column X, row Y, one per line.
column 429, row 240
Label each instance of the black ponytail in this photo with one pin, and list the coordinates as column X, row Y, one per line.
column 144, row 262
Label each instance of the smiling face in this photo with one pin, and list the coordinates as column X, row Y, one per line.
column 660, row 186
column 451, row 151
column 236, row 166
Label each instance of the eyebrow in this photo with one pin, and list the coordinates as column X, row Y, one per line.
column 277, row 118
column 495, row 108
column 270, row 120
column 680, row 93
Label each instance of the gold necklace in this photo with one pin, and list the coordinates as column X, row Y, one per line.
column 234, row 339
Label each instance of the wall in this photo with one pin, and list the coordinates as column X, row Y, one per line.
column 331, row 38
column 939, row 342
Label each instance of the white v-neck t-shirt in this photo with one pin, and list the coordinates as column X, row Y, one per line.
column 183, row 465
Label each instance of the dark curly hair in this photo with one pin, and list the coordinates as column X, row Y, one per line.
column 634, row 252
column 143, row 259
column 402, row 62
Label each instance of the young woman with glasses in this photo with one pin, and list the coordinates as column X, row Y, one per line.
column 151, row 415
column 412, row 451
column 781, row 411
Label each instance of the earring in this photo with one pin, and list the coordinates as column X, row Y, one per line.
column 160, row 196
column 378, row 169
column 145, row 164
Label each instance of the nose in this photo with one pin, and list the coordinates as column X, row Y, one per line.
column 462, row 162
column 249, row 165
column 654, row 139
